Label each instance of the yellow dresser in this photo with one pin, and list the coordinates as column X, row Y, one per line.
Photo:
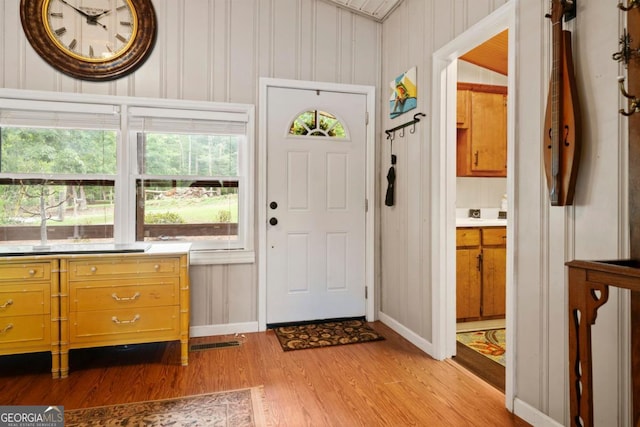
column 29, row 307
column 117, row 299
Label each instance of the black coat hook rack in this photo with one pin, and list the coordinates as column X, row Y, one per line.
column 391, row 133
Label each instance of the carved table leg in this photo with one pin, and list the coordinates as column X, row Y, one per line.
column 584, row 300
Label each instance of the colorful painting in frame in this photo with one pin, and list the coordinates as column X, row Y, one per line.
column 404, row 93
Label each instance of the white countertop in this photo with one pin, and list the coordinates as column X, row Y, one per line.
column 480, row 222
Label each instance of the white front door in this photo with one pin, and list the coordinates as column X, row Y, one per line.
column 315, row 205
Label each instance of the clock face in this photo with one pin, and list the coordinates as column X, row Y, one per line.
column 97, row 40
column 91, row 30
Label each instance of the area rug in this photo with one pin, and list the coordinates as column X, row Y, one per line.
column 325, row 334
column 490, row 343
column 243, row 407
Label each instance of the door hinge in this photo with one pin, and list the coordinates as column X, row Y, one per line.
column 366, row 118
column 366, row 205
column 366, row 292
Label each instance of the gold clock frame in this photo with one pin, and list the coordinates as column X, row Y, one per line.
column 32, row 16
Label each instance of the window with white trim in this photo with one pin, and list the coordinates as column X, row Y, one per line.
column 120, row 171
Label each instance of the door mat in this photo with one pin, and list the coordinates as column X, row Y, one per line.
column 489, row 343
column 245, row 407
column 315, row 335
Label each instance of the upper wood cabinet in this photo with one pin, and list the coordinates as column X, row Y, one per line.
column 482, row 130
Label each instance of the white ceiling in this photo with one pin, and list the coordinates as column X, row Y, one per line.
column 374, row 9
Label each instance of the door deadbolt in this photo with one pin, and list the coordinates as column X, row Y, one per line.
column 273, row 205
column 273, row 221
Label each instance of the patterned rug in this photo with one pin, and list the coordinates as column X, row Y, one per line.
column 243, row 407
column 326, row 334
column 490, row 343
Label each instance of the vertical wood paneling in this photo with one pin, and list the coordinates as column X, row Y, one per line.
column 218, row 52
column 327, row 53
column 171, row 35
column 243, row 86
column 198, row 53
column 285, row 37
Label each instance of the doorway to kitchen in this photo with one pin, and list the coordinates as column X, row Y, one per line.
column 481, row 208
column 491, row 248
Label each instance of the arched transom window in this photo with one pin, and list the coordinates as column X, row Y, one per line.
column 317, row 123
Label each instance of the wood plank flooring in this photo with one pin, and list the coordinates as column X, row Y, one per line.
column 383, row 383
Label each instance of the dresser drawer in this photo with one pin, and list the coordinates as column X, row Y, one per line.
column 20, row 300
column 24, row 332
column 467, row 237
column 110, row 295
column 125, row 325
column 31, row 271
column 124, row 267
column 494, row 236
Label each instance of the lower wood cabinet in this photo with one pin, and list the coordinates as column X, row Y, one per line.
column 57, row 303
column 29, row 307
column 124, row 299
column 480, row 273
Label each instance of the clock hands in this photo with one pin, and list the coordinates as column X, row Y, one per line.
column 91, row 19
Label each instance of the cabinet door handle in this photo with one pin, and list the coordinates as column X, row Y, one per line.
column 117, row 298
column 7, row 304
column 6, row 328
column 475, row 158
column 479, row 262
column 114, row 319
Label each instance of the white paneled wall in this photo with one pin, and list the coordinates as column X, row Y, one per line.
column 544, row 237
column 215, row 50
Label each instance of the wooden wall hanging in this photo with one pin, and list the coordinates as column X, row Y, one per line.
column 561, row 133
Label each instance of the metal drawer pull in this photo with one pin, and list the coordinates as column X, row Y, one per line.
column 6, row 328
column 6, row 304
column 32, row 272
column 123, row 322
column 157, row 266
column 117, row 298
column 94, row 269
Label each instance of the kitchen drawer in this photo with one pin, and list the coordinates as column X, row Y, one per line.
column 107, row 294
column 20, row 300
column 125, row 325
column 24, row 332
column 467, row 237
column 31, row 271
column 494, row 236
column 121, row 267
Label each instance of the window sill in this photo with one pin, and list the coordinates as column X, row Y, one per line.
column 210, row 257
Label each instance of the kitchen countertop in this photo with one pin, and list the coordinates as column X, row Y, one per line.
column 480, row 222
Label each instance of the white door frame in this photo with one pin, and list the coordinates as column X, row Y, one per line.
column 444, row 186
column 369, row 92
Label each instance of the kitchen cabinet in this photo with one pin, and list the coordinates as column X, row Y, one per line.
column 480, row 273
column 481, row 122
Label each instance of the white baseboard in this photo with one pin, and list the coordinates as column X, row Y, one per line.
column 406, row 333
column 226, row 329
column 532, row 415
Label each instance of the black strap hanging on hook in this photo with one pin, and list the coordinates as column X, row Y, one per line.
column 389, row 198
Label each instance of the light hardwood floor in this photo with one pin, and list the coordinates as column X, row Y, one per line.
column 384, row 383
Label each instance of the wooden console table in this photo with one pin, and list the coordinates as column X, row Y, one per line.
column 589, row 283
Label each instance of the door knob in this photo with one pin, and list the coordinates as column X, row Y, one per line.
column 273, row 205
column 273, row 221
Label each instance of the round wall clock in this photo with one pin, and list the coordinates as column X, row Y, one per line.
column 95, row 40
